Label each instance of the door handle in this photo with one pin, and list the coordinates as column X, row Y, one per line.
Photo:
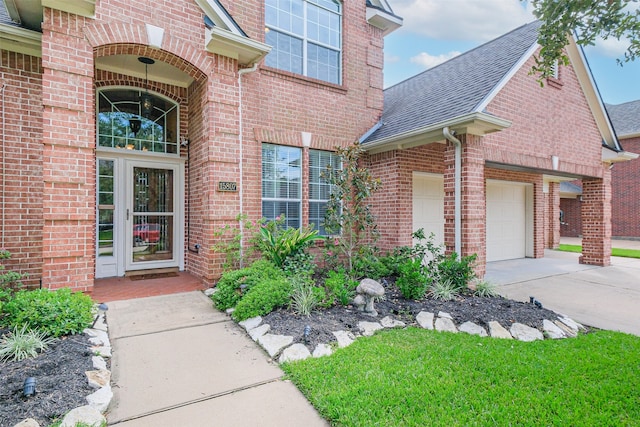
column 127, row 214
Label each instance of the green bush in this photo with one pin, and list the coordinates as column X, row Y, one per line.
column 486, row 289
column 300, row 264
column 233, row 285
column 340, row 288
column 444, row 290
column 22, row 343
column 412, row 281
column 263, row 298
column 369, row 265
column 55, row 313
column 304, row 298
column 458, row 272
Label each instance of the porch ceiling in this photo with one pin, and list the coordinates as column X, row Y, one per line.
column 129, row 65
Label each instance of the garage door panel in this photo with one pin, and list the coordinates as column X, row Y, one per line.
column 428, row 205
column 506, row 221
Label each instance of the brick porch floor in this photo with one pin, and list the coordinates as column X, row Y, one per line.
column 121, row 288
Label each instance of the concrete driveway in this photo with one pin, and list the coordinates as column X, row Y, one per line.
column 603, row 297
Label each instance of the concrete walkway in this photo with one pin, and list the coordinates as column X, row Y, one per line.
column 177, row 361
column 603, row 297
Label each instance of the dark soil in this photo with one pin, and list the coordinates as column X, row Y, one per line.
column 61, row 383
column 480, row 310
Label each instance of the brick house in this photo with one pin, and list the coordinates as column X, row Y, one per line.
column 132, row 131
column 625, row 198
column 475, row 150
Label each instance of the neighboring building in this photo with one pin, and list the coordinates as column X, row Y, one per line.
column 517, row 141
column 625, row 181
column 132, row 131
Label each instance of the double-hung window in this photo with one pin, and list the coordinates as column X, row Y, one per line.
column 306, row 37
column 321, row 164
column 282, row 183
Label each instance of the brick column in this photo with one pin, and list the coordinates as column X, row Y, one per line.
column 472, row 200
column 596, row 220
column 553, row 218
column 68, row 168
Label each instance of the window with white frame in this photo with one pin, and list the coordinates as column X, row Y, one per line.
column 321, row 164
column 282, row 183
column 306, row 36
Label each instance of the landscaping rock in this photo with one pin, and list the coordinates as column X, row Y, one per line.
column 551, row 330
column 570, row 333
column 99, row 378
column 389, row 322
column 100, row 399
column 294, row 353
column 525, row 333
column 322, row 350
column 445, row 315
column 256, row 333
column 86, row 415
column 425, row 320
column 98, row 337
column 575, row 326
column 344, row 338
column 496, row 330
column 445, row 324
column 369, row 328
column 473, row 329
column 251, row 323
column 29, row 422
column 99, row 362
column 210, row 291
column 104, row 351
column 273, row 344
column 100, row 324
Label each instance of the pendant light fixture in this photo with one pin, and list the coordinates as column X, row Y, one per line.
column 146, row 101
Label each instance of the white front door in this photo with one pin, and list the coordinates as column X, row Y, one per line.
column 139, row 220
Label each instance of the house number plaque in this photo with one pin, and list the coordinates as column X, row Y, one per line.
column 227, row 186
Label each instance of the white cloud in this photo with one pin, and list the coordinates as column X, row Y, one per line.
column 611, row 48
column 473, row 20
column 391, row 59
column 430, row 61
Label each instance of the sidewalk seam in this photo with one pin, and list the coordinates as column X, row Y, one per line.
column 195, row 325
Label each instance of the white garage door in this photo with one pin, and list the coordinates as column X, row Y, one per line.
column 506, row 220
column 428, row 205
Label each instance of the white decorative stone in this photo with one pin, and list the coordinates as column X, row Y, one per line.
column 525, row 333
column 295, row 352
column 104, row 351
column 249, row 324
column 99, row 378
column 101, row 398
column 445, row 324
column 29, row 422
column 425, row 320
column 551, row 330
column 322, row 350
column 98, row 337
column 473, row 329
column 369, row 328
column 230, row 311
column 344, row 338
column 496, row 330
column 85, row 415
column 389, row 322
column 444, row 315
column 99, row 362
column 575, row 326
column 210, row 291
column 256, row 333
column 273, row 344
column 570, row 333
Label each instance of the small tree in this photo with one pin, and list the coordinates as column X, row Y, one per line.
column 348, row 215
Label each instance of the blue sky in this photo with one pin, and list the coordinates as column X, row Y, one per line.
column 436, row 30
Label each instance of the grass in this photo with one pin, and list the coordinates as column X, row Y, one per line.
column 627, row 253
column 415, row 377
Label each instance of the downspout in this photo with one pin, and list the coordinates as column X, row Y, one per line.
column 4, row 125
column 457, row 188
column 241, row 73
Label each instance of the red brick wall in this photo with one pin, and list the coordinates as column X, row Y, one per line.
column 21, row 163
column 625, row 196
column 596, row 220
column 572, row 224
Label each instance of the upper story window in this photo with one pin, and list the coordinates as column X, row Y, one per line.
column 306, row 36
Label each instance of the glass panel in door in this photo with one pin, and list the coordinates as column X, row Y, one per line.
column 152, row 227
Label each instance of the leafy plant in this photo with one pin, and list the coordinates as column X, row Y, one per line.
column 412, row 282
column 8, row 279
column 299, row 264
column 458, row 271
column 348, row 215
column 340, row 287
column 263, row 298
column 486, row 289
column 55, row 313
column 234, row 285
column 444, row 290
column 230, row 242
column 424, row 249
column 303, row 297
column 369, row 265
column 23, row 343
column 277, row 243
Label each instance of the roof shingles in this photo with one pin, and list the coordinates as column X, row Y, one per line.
column 625, row 118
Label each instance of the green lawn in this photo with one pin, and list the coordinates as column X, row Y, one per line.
column 628, row 253
column 415, row 377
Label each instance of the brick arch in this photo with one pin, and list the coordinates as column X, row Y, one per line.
column 107, row 78
column 120, row 39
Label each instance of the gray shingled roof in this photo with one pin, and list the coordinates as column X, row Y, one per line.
column 4, row 16
column 454, row 88
column 625, row 118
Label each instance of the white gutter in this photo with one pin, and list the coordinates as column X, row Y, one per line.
column 241, row 73
column 457, row 189
column 4, row 125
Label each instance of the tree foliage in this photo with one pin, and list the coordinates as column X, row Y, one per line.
column 590, row 20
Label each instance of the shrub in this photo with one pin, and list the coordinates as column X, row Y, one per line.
column 55, row 313
column 263, row 298
column 340, row 288
column 412, row 282
column 278, row 244
column 229, row 242
column 444, row 290
column 8, row 279
column 23, row 343
column 369, row 265
column 300, row 264
column 486, row 289
column 303, row 297
column 458, row 272
column 233, row 285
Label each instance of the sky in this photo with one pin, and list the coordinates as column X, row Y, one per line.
column 436, row 30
